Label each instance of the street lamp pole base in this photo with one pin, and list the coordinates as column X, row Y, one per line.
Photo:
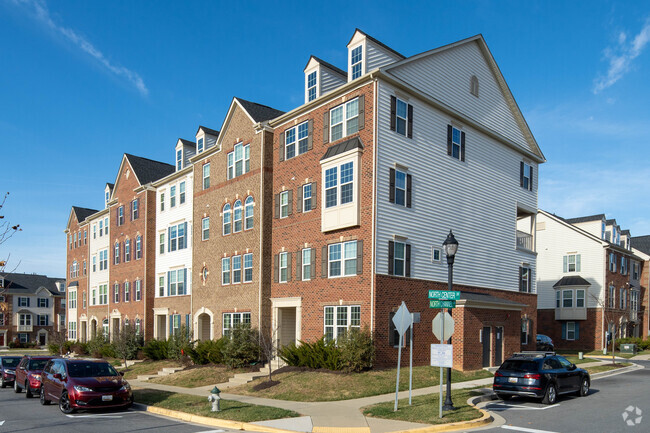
column 446, row 407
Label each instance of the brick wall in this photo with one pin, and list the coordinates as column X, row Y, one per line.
column 80, row 253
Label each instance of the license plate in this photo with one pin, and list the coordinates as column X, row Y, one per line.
column 107, row 398
column 512, row 379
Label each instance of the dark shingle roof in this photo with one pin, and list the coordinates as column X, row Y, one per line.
column 344, row 146
column 82, row 213
column 574, row 280
column 641, row 243
column 625, row 232
column 187, row 142
column 208, row 130
column 259, row 112
column 585, row 219
column 378, row 43
column 149, row 170
column 30, row 283
column 328, row 65
column 611, row 222
column 110, row 185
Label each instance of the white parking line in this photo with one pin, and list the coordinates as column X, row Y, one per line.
column 518, row 407
column 524, row 429
column 211, row 431
column 104, row 415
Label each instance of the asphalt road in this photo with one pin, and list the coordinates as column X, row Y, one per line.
column 599, row 412
column 20, row 414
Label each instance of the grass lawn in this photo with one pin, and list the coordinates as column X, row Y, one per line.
column 148, row 367
column 618, row 354
column 425, row 409
column 310, row 385
column 606, row 367
column 20, row 352
column 199, row 376
column 230, row 410
column 574, row 359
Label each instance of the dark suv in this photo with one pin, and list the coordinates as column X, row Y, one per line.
column 544, row 343
column 8, row 366
column 28, row 374
column 542, row 375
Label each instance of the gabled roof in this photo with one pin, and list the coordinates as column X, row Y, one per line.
column 327, row 65
column 110, row 185
column 30, row 284
column 625, row 232
column 187, row 142
column 641, row 243
column 207, row 131
column 148, row 170
column 375, row 41
column 611, row 222
column 574, row 280
column 259, row 112
column 82, row 213
column 598, row 217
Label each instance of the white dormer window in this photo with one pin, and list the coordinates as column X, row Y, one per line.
column 356, row 61
column 311, row 86
column 107, row 196
column 179, row 159
column 200, row 145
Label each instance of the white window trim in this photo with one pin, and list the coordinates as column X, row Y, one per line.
column 343, row 259
column 570, row 330
column 344, row 121
column 363, row 63
column 306, row 199
column 306, row 276
column 204, row 229
column 224, row 272
column 346, row 215
column 567, row 299
column 334, row 325
column 205, row 176
column 244, row 268
column 405, row 118
column 297, row 140
column 286, row 267
column 395, row 259
column 316, row 86
column 284, row 196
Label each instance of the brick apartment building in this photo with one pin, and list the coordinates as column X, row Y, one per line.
column 641, row 248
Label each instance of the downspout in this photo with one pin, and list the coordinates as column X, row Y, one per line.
column 261, row 214
column 374, row 205
column 146, row 237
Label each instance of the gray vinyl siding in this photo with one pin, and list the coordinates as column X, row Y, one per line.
column 330, row 80
column 477, row 199
column 188, row 152
column 378, row 56
column 446, row 77
column 210, row 140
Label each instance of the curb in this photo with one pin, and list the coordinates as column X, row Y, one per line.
column 617, row 371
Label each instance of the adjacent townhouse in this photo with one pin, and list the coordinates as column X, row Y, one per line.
column 31, row 307
column 641, row 248
column 588, row 281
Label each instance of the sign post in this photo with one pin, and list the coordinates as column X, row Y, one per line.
column 443, row 328
column 402, row 321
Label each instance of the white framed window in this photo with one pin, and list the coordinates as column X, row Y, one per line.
column 105, row 328
column 306, row 264
column 42, row 302
column 179, row 159
column 199, row 145
column 399, row 259
column 436, row 254
column 567, row 298
column 571, row 331
column 161, row 243
column 338, row 319
column 344, row 120
column 25, row 319
column 127, row 250
column 177, row 237
column 557, row 299
column 248, row 268
column 83, row 301
column 611, row 296
column 116, row 293
column 634, row 300
column 127, row 291
column 237, row 217
column 206, row 176
column 135, row 209
column 93, row 297
column 120, row 215
column 176, row 324
column 236, row 269
column 176, row 284
column 227, row 215
column 580, row 298
column 525, row 283
column 622, row 299
column 138, row 290
column 85, row 237
column 162, row 201
column 356, row 61
column 571, row 263
column 161, row 285
column 239, row 160
column 138, row 326
column 401, row 117
column 23, row 302
column 138, row 247
column 225, row 271
column 284, row 268
column 311, row 86
column 232, row 320
column 612, row 262
column 94, row 231
column 306, row 197
column 103, row 263
column 42, row 320
column 284, row 204
column 249, row 205
column 106, row 226
column 103, row 294
column 339, row 190
column 172, row 196
column 72, row 330
column 101, row 228
column 72, row 299
column 400, row 187
column 117, row 252
column 342, row 259
column 171, row 283
column 205, row 229
column 456, row 143
column 296, row 140
column 181, row 193
column 526, row 176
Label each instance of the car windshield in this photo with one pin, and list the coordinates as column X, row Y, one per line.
column 37, row 364
column 91, row 369
column 10, row 362
column 519, row 365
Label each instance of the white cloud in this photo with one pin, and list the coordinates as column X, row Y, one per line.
column 40, row 11
column 620, row 57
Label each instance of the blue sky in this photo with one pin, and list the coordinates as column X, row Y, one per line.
column 83, row 82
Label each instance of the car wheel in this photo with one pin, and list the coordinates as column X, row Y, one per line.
column 28, row 391
column 550, row 397
column 16, row 387
column 43, row 400
column 504, row 397
column 584, row 387
column 64, row 404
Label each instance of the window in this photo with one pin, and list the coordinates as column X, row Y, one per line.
column 205, row 229
column 635, row 271
column 127, row 250
column 525, row 279
column 401, row 119
column 2, row 319
column 95, row 231
column 120, row 215
column 284, row 267
column 135, row 209
column 84, row 267
column 103, row 294
column 284, row 204
column 455, row 143
column 399, row 187
column 435, row 254
column 25, row 319
column 571, row 263
column 232, row 320
column 339, row 193
column 93, row 297
column 105, row 328
column 571, row 331
column 176, row 282
column 356, row 61
column 200, row 145
column 117, row 253
column 622, row 299
column 342, row 259
column 138, row 247
column 101, row 228
column 236, row 269
column 567, row 298
column 177, row 237
column 623, row 266
column 95, row 263
column 306, row 264
column 306, row 198
column 161, row 286
column 106, row 226
column 103, row 262
column 23, row 338
column 23, row 302
column 311, row 86
column 162, row 201
column 344, row 120
column 72, row 330
column 138, row 326
column 338, row 319
column 580, row 298
column 206, row 176
column 249, row 204
column 248, row 268
column 557, row 299
column 83, row 300
column 296, row 140
column 612, row 262
column 237, row 213
column 525, row 330
column 172, row 196
column 70, row 239
column 116, row 293
column 239, row 161
column 227, row 224
column 473, row 86
column 611, row 298
column 181, row 192
column 175, row 323
column 72, row 300
column 127, row 290
column 42, row 302
column 179, row 159
column 75, row 240
column 634, row 300
column 161, row 243
column 526, row 176
column 138, row 290
column 225, row 271
column 85, row 237
column 399, row 258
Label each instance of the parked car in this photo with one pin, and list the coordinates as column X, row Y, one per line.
column 544, row 343
column 84, row 384
column 8, row 366
column 28, row 374
column 542, row 375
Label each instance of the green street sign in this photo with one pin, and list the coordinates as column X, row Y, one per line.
column 446, row 295
column 436, row 303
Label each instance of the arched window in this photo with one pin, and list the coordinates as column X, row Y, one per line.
column 238, row 216
column 473, row 85
column 137, row 326
column 105, row 328
column 248, row 212
column 138, row 247
column 227, row 224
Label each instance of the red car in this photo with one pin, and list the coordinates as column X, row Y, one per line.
column 84, row 384
column 28, row 374
column 8, row 366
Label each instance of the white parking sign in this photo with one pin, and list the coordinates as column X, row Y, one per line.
column 442, row 355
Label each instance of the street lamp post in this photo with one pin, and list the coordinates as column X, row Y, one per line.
column 451, row 246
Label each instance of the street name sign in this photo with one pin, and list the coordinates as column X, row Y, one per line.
column 437, row 303
column 447, row 295
column 442, row 355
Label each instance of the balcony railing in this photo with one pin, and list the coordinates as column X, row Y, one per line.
column 634, row 315
column 25, row 328
column 524, row 240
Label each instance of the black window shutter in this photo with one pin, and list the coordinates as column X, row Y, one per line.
column 521, row 173
column 391, row 257
column 299, row 265
column 323, row 262
column 410, row 121
column 362, row 111
column 407, row 272
column 282, row 147
column 289, row 273
column 313, row 263
column 391, row 186
column 276, row 268
column 277, row 205
column 290, row 202
column 359, row 257
column 530, row 184
column 521, row 271
column 393, row 105
column 299, row 204
column 310, row 137
column 462, row 146
column 391, row 330
column 530, row 280
column 314, row 193
column 326, row 127
column 449, row 133
column 409, row 182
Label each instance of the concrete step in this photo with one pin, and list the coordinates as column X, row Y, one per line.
column 146, row 376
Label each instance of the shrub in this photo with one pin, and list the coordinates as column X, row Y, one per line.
column 127, row 343
column 242, row 348
column 319, row 354
column 641, row 344
column 156, row 349
column 53, row 348
column 179, row 344
column 100, row 347
column 57, row 349
column 208, row 351
column 357, row 350
column 79, row 348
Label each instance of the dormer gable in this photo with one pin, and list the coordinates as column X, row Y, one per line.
column 205, row 139
column 366, row 53
column 108, row 192
column 184, row 150
column 321, row 77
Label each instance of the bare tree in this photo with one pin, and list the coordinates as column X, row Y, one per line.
column 59, row 338
column 268, row 342
column 7, row 231
column 610, row 318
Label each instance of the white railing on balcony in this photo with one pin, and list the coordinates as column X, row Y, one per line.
column 524, row 240
column 634, row 315
column 25, row 328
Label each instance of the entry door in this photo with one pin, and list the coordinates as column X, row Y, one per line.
column 41, row 339
column 486, row 338
column 498, row 348
column 2, row 339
